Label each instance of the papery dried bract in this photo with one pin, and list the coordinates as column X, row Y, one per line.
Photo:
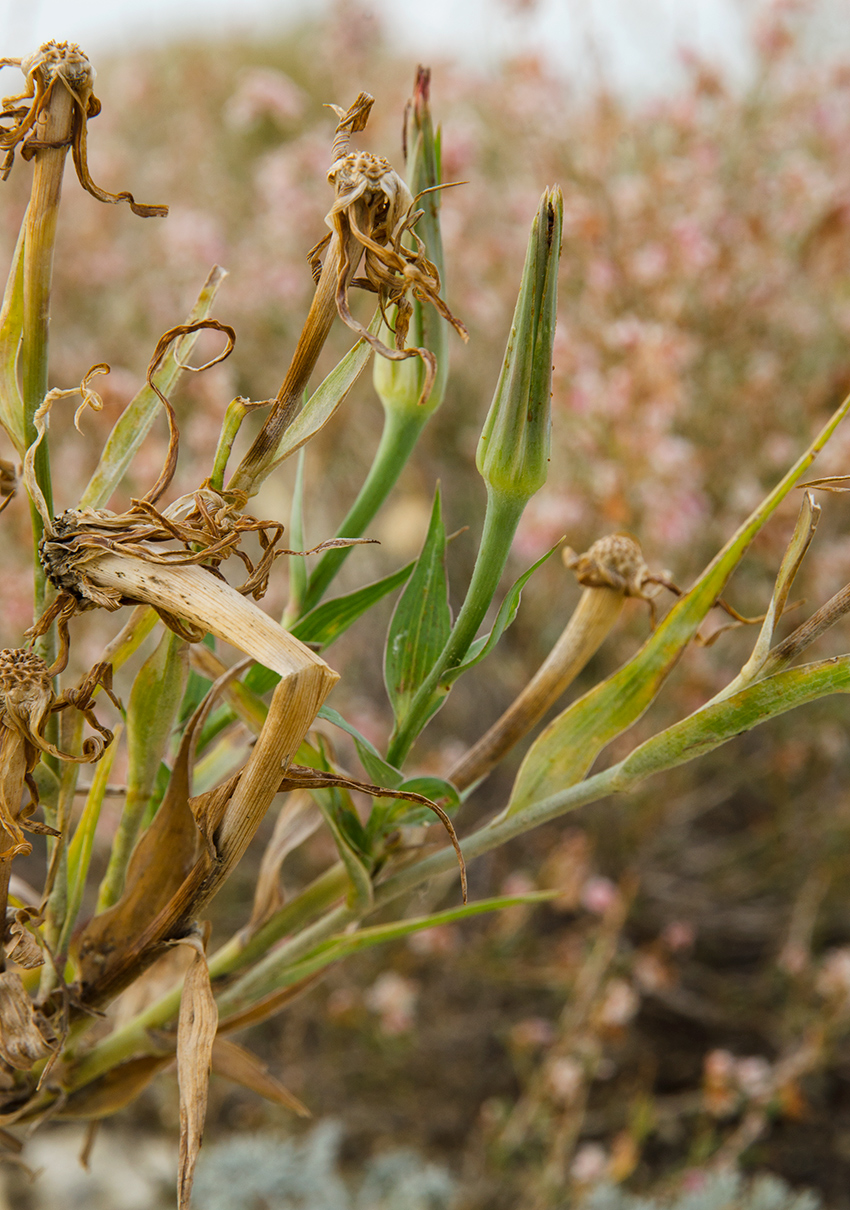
column 25, row 1036
column 196, row 1030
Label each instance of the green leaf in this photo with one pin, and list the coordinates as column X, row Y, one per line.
column 421, row 624
column 504, row 618
column 564, row 752
column 325, row 400
column 11, row 327
column 135, row 422
column 324, row 624
column 720, row 721
column 350, row 837
column 339, row 947
column 297, row 563
column 154, row 701
column 80, row 848
column 379, row 771
column 435, row 788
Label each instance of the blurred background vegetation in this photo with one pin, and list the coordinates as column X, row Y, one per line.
column 685, row 1002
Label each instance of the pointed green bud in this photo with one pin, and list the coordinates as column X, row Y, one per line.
column 513, row 451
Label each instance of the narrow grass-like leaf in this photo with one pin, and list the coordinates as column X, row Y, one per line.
column 804, row 532
column 135, row 422
column 504, row 618
column 236, row 1063
column 154, row 699
column 720, row 721
column 567, row 748
column 297, row 563
column 325, row 400
column 80, row 848
column 11, row 326
column 324, row 624
column 273, row 973
column 370, row 758
column 421, row 624
column 331, row 803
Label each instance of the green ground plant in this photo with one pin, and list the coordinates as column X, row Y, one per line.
column 210, row 740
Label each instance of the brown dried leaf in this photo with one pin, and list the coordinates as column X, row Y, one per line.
column 303, row 777
column 195, row 1036
column 114, row 1090
column 269, row 1006
column 23, row 948
column 298, row 819
column 236, row 1063
column 227, row 817
column 25, row 1037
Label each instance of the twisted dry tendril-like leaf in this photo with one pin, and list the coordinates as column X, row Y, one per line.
column 202, row 528
column 27, row 701
column 58, row 64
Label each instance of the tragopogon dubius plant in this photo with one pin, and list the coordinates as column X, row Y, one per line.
column 164, row 565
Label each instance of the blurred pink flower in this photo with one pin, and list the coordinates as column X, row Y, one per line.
column 263, row 93
column 393, row 998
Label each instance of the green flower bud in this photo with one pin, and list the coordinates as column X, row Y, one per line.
column 513, row 451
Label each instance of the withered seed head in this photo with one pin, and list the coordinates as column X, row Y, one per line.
column 58, row 65
column 615, row 561
column 26, row 690
column 370, row 177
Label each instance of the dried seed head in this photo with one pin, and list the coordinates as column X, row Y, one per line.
column 615, row 561
column 58, row 65
column 386, row 199
column 372, row 215
column 26, row 691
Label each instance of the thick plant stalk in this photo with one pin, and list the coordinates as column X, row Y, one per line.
column 193, row 594
column 54, row 127
column 591, row 623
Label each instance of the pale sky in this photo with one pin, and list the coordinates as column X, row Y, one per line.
column 636, row 41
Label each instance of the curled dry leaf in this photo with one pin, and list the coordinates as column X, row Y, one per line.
column 196, row 1028
column 372, row 216
column 100, row 559
column 58, row 65
column 27, row 702
column 303, row 777
column 23, row 946
column 25, row 1035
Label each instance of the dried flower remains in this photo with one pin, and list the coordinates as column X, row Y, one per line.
column 58, row 65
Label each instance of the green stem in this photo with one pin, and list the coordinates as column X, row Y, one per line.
column 133, row 1037
column 500, row 522
column 400, row 434
column 53, row 130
